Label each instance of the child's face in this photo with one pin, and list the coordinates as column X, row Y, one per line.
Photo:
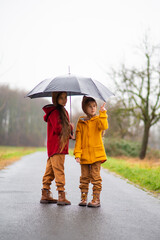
column 62, row 99
column 91, row 109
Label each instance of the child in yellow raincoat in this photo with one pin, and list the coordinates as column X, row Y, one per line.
column 89, row 150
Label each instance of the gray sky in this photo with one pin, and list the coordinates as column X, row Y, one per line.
column 40, row 38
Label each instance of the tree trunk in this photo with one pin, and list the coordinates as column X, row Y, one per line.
column 144, row 141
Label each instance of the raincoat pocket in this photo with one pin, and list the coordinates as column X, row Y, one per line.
column 85, row 154
column 99, row 152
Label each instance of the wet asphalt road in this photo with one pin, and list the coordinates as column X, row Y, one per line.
column 126, row 213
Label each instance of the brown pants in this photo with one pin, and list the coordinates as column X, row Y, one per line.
column 55, row 170
column 91, row 173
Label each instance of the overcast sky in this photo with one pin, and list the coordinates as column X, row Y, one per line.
column 40, row 38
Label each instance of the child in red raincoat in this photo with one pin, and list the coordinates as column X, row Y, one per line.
column 58, row 134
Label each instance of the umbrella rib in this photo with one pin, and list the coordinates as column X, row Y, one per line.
column 80, row 86
column 47, row 86
column 98, row 91
column 109, row 92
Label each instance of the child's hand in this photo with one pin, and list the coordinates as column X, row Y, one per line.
column 72, row 137
column 72, row 125
column 72, row 134
column 102, row 107
column 77, row 160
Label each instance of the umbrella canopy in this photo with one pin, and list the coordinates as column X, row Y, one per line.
column 73, row 85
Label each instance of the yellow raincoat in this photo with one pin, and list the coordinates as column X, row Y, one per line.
column 89, row 146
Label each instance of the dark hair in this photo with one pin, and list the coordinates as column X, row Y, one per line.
column 90, row 100
column 66, row 128
column 85, row 102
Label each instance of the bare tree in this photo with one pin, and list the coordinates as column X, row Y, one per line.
column 121, row 122
column 140, row 90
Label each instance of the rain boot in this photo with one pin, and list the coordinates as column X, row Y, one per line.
column 47, row 197
column 83, row 202
column 62, row 199
column 95, row 201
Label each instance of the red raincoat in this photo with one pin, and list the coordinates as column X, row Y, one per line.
column 54, row 127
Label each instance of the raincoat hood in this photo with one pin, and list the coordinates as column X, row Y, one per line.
column 48, row 109
column 84, row 119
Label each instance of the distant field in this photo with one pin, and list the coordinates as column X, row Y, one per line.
column 9, row 155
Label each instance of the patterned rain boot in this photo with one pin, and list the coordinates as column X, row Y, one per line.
column 83, row 202
column 47, row 197
column 95, row 201
column 62, row 199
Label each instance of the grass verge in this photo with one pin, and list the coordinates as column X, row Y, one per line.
column 8, row 155
column 143, row 175
column 71, row 152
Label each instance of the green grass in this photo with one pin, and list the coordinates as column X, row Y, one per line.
column 145, row 176
column 71, row 152
column 10, row 154
column 148, row 178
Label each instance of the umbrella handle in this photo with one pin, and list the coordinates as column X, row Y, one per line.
column 70, row 110
column 72, row 134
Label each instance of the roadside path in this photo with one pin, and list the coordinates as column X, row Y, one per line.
column 126, row 213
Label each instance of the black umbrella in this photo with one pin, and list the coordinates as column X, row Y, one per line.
column 73, row 85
